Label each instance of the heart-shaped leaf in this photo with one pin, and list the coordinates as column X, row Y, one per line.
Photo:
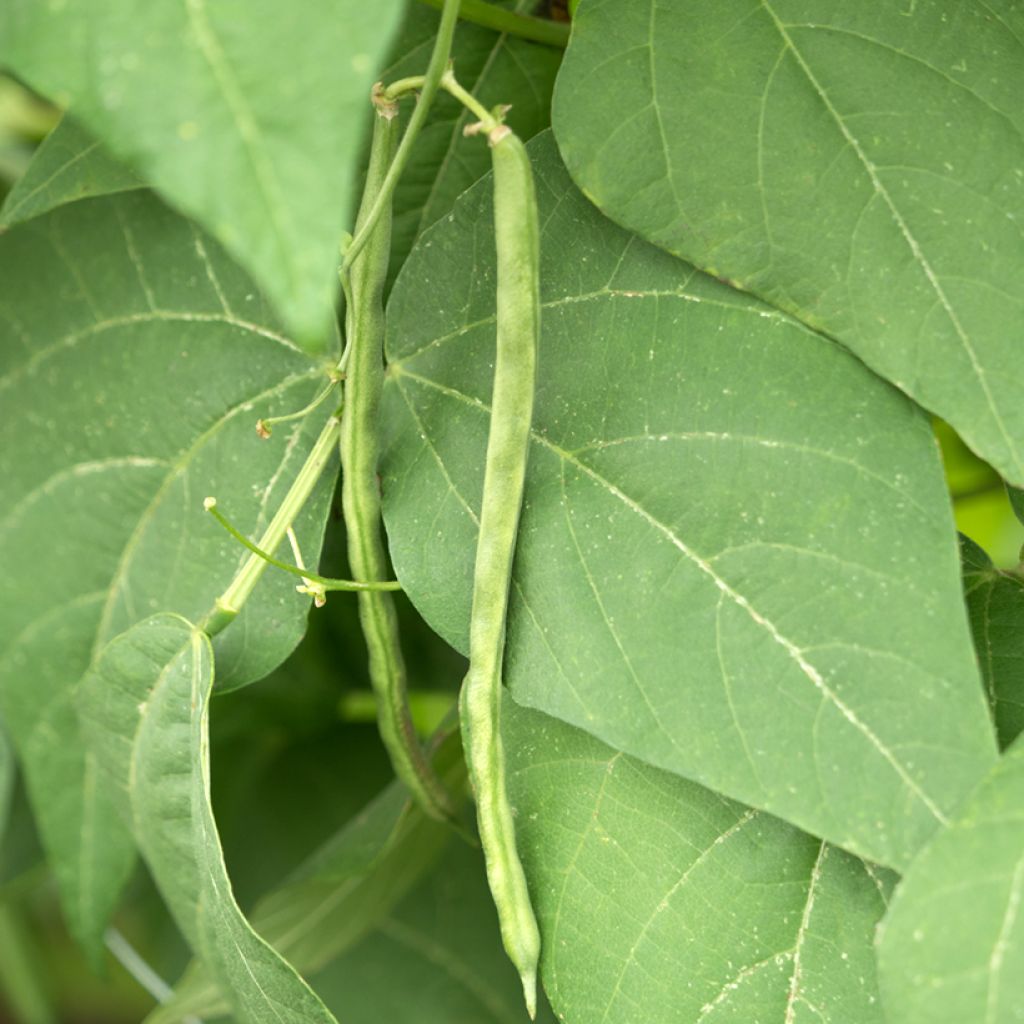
column 145, row 704
column 951, row 948
column 660, row 900
column 247, row 118
column 136, row 360
column 736, row 560
column 858, row 165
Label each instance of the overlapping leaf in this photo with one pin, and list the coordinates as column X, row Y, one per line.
column 995, row 605
column 340, row 892
column 433, row 959
column 659, row 900
column 951, row 948
column 135, row 361
column 858, row 165
column 145, row 704
column 69, row 165
column 736, row 560
column 246, row 117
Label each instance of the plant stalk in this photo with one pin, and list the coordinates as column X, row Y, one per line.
column 525, row 26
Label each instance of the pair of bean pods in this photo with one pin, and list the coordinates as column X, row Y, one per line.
column 516, row 234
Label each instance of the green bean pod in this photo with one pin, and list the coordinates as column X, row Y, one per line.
column 360, row 445
column 518, row 326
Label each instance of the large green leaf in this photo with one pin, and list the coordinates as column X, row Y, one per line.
column 145, row 704
column 995, row 605
column 858, row 165
column 951, row 949
column 246, row 116
column 436, row 958
column 68, row 165
column 736, row 559
column 340, row 892
column 661, row 901
column 496, row 69
column 135, row 361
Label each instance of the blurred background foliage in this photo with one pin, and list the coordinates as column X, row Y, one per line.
column 294, row 757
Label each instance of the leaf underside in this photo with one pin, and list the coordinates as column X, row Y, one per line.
column 145, row 705
column 660, row 900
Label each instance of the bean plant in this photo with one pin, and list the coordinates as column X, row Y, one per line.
column 587, row 360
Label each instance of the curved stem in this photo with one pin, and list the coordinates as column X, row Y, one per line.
column 229, row 604
column 361, row 489
column 539, row 30
column 325, row 582
column 431, row 81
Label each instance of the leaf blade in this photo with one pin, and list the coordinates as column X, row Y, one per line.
column 858, row 171
column 657, row 460
column 146, row 706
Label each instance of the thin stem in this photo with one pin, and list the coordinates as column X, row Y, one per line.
column 263, row 427
column 539, row 30
column 230, row 603
column 488, row 119
column 360, row 493
column 435, row 70
column 128, row 957
column 324, row 582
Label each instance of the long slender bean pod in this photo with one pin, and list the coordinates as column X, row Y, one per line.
column 360, row 488
column 518, row 325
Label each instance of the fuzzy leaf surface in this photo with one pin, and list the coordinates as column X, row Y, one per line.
column 860, row 166
column 951, row 948
column 246, row 118
column 136, row 358
column 750, row 529
column 660, row 900
column 145, row 705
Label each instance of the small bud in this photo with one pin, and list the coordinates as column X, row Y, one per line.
column 262, row 429
column 209, row 503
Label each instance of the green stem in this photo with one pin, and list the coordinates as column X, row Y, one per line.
column 21, row 981
column 326, row 582
column 488, row 119
column 361, row 489
column 431, row 81
column 539, row 30
column 230, row 603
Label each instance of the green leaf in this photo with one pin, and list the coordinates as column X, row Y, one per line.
column 1017, row 501
column 995, row 606
column 68, row 165
column 246, row 119
column 736, row 559
column 857, row 165
column 433, row 959
column 496, row 69
column 951, row 948
column 145, row 705
column 137, row 359
column 659, row 900
column 340, row 892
